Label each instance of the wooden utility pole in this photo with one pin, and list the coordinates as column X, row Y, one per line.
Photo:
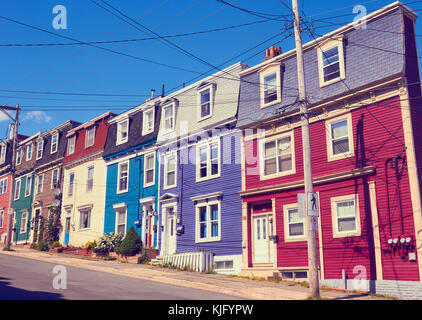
column 307, row 163
column 12, row 174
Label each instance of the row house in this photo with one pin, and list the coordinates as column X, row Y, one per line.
column 363, row 96
column 50, row 149
column 84, row 182
column 200, row 175
column 131, row 159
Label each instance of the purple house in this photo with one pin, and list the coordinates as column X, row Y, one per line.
column 200, row 171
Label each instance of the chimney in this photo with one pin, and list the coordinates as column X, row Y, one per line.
column 162, row 91
column 152, row 93
column 271, row 52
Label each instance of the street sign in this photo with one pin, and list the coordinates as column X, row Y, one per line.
column 314, row 223
column 312, row 204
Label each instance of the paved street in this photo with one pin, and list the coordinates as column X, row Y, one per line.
column 22, row 278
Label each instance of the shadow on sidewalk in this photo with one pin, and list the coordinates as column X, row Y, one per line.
column 8, row 292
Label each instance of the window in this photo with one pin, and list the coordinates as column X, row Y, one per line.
column 345, row 212
column 270, row 85
column 71, row 184
column 54, row 143
column 168, row 118
column 339, row 138
column 208, row 221
column 19, row 156
column 24, row 222
column 40, row 148
column 71, row 145
column 148, row 124
column 208, row 160
column 29, row 152
column 85, row 219
column 123, row 177
column 331, row 62
column 205, row 103
column 149, row 170
column 90, row 137
column 54, row 178
column 121, row 221
column 40, row 182
column 3, row 186
column 1, row 218
column 17, row 189
column 122, row 131
column 28, row 186
column 170, row 164
column 90, row 179
column 3, row 153
column 278, row 156
column 294, row 223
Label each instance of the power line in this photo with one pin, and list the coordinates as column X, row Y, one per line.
column 255, row 13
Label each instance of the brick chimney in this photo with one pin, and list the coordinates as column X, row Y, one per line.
column 272, row 52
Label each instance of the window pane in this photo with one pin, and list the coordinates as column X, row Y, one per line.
column 214, row 212
column 346, row 209
column 203, row 230
column 121, row 218
column 270, row 150
column 264, row 229
column 150, row 176
column 332, row 72
column 150, row 162
column 270, row 166
column 330, row 56
column 339, row 129
column 346, row 224
column 294, row 217
column 340, row 146
column 284, row 163
column 214, row 167
column 214, row 229
column 214, row 151
column 121, row 229
column 170, row 178
column 296, row 229
column 203, row 154
column 202, row 214
column 270, row 88
column 205, row 96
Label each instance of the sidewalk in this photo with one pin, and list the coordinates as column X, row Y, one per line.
column 245, row 288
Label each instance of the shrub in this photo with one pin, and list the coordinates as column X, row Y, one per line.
column 131, row 244
column 34, row 245
column 89, row 245
column 43, row 246
column 56, row 244
column 107, row 243
column 143, row 258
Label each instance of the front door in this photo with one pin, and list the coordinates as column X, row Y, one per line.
column 36, row 226
column 262, row 247
column 171, row 231
column 67, row 231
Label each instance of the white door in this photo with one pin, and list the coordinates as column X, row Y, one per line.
column 171, row 231
column 262, row 245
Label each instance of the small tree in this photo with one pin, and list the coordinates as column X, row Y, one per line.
column 131, row 244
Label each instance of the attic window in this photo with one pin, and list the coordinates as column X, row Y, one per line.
column 331, row 62
column 270, row 85
column 54, row 143
column 148, row 121
column 90, row 136
column 205, row 102
column 122, row 131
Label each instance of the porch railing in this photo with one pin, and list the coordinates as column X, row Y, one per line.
column 196, row 261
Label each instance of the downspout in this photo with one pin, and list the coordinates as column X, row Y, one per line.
column 398, row 191
column 388, row 195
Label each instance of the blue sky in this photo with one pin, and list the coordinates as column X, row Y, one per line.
column 85, row 69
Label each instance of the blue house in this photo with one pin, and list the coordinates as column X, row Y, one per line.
column 132, row 175
column 200, row 171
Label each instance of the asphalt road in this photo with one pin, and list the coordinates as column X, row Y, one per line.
column 27, row 279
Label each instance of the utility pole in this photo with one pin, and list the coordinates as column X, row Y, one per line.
column 12, row 174
column 307, row 164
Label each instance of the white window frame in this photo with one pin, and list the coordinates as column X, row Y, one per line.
column 3, row 186
column 52, row 186
column 38, row 184
column 145, row 170
column 275, row 139
column 171, row 106
column 81, row 211
column 39, row 155
column 166, row 172
column 19, row 157
column 320, row 52
column 351, row 233
column 119, row 138
column 145, row 129
column 71, row 142
column 24, row 225
column 54, row 150
column 268, row 70
column 328, row 124
column 88, row 142
column 211, row 102
column 118, row 210
column 28, row 190
column 119, row 172
column 17, row 192
column 89, row 185
column 207, row 203
column 29, row 147
column 3, row 153
column 287, row 236
column 209, row 174
column 71, row 186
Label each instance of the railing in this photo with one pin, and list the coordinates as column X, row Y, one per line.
column 196, row 261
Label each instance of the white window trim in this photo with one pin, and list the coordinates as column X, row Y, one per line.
column 118, row 191
column 29, row 155
column 73, row 186
column 173, row 107
column 86, row 136
column 52, row 175
column 119, row 139
column 17, row 191
column 207, row 203
column 37, row 183
column 211, row 89
column 24, row 225
column 166, row 156
column 344, row 234
column 57, row 143
column 328, row 123
column 19, row 159
column 5, row 185
column 3, row 153
column 71, row 142
column 145, row 172
column 87, row 178
column 80, row 218
column 117, row 210
column 28, row 192
column 38, row 149
column 324, row 47
column 146, row 130
column 262, row 143
column 287, row 236
column 272, row 68
column 208, row 144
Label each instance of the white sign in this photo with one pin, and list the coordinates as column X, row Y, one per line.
column 312, row 204
column 300, row 204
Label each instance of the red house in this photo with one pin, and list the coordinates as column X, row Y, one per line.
column 363, row 95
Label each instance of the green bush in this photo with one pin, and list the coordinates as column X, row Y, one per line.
column 43, row 246
column 131, row 244
column 107, row 243
column 34, row 245
column 89, row 245
column 56, row 244
column 143, row 258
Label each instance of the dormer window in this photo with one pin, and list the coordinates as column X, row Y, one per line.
column 54, row 143
column 29, row 152
column 331, row 62
column 71, row 145
column 270, row 85
column 148, row 124
column 3, row 153
column 122, row 131
column 168, row 118
column 40, row 148
column 90, row 136
column 206, row 101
